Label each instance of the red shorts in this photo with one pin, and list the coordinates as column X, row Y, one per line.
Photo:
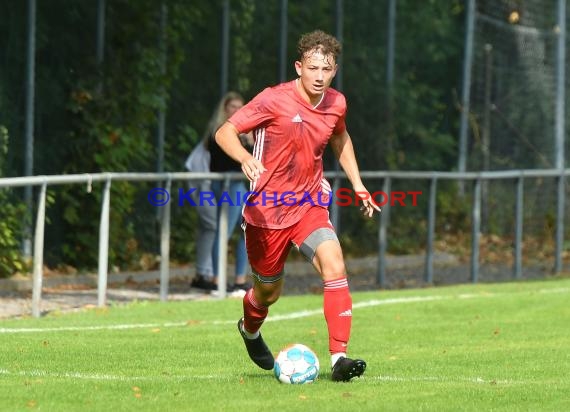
column 267, row 249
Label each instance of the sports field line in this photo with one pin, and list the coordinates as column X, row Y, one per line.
column 293, row 315
column 457, row 379
column 102, row 377
column 274, row 318
column 230, row 377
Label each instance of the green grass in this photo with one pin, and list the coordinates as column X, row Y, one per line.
column 485, row 347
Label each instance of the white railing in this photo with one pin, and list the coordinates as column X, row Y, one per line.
column 387, row 177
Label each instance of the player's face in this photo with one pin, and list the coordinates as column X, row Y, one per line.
column 316, row 72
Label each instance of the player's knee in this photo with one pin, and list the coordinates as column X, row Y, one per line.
column 268, row 298
column 333, row 270
column 267, row 294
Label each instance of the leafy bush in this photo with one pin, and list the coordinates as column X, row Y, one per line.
column 112, row 117
column 12, row 215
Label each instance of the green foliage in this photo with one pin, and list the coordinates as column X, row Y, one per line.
column 12, row 215
column 103, row 118
column 453, row 211
column 113, row 118
column 424, row 112
column 242, row 20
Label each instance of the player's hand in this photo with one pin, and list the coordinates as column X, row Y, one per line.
column 368, row 206
column 252, row 168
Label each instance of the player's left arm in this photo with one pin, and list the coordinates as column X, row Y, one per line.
column 343, row 149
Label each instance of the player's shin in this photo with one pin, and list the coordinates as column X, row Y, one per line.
column 254, row 314
column 338, row 314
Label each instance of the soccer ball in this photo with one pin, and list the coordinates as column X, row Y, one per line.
column 296, row 364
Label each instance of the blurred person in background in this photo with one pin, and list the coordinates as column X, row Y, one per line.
column 208, row 252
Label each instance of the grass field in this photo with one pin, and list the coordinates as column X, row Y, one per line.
column 485, row 347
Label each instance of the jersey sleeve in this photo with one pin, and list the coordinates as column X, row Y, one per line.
column 340, row 126
column 255, row 113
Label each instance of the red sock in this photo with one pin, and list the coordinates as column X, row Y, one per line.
column 338, row 313
column 254, row 313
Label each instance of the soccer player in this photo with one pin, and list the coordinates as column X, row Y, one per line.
column 292, row 124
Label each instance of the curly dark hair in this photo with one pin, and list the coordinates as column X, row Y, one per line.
column 318, row 40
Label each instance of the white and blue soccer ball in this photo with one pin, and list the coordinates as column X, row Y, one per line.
column 296, row 364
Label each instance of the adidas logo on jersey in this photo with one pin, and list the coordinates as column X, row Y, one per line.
column 346, row 313
column 297, row 119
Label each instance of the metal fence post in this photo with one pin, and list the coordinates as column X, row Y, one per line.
column 104, row 245
column 519, row 209
column 225, row 47
column 560, row 207
column 29, row 121
column 100, row 37
column 560, row 108
column 39, row 254
column 382, row 234
column 161, row 117
column 466, row 89
column 476, row 229
column 223, row 243
column 165, row 246
column 283, row 63
column 431, row 230
column 560, row 127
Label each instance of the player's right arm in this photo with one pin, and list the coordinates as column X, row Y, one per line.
column 227, row 138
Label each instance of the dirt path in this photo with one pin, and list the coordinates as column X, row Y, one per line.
column 71, row 293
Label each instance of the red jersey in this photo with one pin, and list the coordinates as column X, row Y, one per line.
column 290, row 139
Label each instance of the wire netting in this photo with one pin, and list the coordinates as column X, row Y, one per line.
column 513, row 92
